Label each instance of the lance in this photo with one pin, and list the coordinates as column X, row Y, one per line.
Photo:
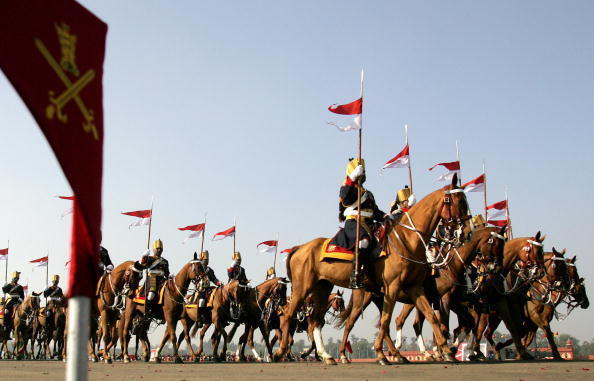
column 203, row 234
column 275, row 251
column 148, row 247
column 148, row 242
column 458, row 159
column 358, row 235
column 6, row 264
column 485, row 191
column 234, row 233
column 409, row 169
column 509, row 226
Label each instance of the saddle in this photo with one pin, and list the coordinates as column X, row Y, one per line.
column 332, row 250
column 139, row 296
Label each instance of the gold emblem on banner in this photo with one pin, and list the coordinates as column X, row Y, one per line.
column 72, row 92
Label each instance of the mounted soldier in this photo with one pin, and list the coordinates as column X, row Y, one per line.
column 157, row 272
column 236, row 272
column 105, row 263
column 270, row 273
column 370, row 215
column 14, row 295
column 204, row 286
column 404, row 200
column 54, row 297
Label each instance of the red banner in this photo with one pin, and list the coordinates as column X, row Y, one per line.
column 52, row 52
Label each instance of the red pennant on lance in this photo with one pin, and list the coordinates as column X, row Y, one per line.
column 451, row 166
column 224, row 234
column 400, row 160
column 194, row 228
column 71, row 198
column 3, row 254
column 52, row 52
column 140, row 213
column 267, row 246
column 353, row 108
column 498, row 205
column 287, row 251
column 40, row 262
column 476, row 185
column 500, row 223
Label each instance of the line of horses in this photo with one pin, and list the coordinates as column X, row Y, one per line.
column 481, row 275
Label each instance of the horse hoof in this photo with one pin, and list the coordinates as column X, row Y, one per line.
column 107, row 361
column 178, row 360
column 344, row 360
column 94, row 359
column 157, row 360
column 449, row 358
column 276, row 357
column 527, row 356
column 384, row 361
column 402, row 360
column 329, row 361
column 429, row 358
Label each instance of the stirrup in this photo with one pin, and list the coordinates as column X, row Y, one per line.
column 355, row 281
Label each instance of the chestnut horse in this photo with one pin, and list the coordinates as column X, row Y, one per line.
column 400, row 273
column 486, row 246
column 24, row 315
column 112, row 292
column 171, row 309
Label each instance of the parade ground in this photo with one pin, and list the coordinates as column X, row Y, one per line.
column 517, row 371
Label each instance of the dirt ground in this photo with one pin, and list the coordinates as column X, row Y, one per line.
column 516, row 371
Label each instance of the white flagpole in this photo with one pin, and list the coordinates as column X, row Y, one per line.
column 485, row 191
column 409, row 169
column 458, row 159
column 509, row 226
column 234, row 233
column 358, row 234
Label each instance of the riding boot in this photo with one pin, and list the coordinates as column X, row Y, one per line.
column 356, row 280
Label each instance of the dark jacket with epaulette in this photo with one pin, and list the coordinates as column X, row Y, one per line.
column 14, row 290
column 237, row 273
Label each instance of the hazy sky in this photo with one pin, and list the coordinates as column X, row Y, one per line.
column 220, row 107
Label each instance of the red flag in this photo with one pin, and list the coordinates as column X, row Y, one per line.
column 398, row 161
column 498, row 205
column 139, row 213
column 476, row 185
column 451, row 166
column 267, row 246
column 194, row 228
column 224, row 234
column 348, row 347
column 287, row 251
column 3, row 254
column 500, row 223
column 52, row 52
column 353, row 108
column 40, row 262
column 67, row 197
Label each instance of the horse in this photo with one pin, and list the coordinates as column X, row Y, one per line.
column 171, row 310
column 577, row 290
column 485, row 249
column 401, row 272
column 23, row 317
column 112, row 290
column 261, row 311
column 545, row 294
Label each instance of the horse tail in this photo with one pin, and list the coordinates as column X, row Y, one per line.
column 293, row 250
column 343, row 316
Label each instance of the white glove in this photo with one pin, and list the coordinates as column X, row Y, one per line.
column 109, row 268
column 411, row 200
column 357, row 173
column 146, row 253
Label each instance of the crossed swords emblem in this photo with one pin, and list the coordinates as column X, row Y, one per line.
column 72, row 92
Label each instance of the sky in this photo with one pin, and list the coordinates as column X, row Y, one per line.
column 221, row 108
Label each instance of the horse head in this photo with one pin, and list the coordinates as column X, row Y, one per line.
column 531, row 256
column 489, row 250
column 131, row 277
column 556, row 270
column 32, row 301
column 577, row 289
column 454, row 206
column 337, row 302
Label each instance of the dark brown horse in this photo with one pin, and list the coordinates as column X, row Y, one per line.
column 170, row 310
column 400, row 274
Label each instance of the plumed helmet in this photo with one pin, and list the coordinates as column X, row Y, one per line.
column 403, row 194
column 56, row 277
column 204, row 255
column 354, row 163
column 15, row 274
column 158, row 244
column 478, row 221
column 270, row 271
column 236, row 256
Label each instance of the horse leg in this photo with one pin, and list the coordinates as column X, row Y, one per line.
column 106, row 335
column 418, row 328
column 186, row 325
column 146, row 346
column 125, row 322
column 298, row 294
column 202, row 333
column 384, row 324
column 265, row 334
column 171, row 325
column 502, row 308
column 320, row 296
column 358, row 302
column 418, row 296
column 244, row 340
column 400, row 320
column 478, row 332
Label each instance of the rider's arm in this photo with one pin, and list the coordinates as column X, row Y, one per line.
column 6, row 288
column 47, row 292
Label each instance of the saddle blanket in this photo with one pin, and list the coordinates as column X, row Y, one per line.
column 331, row 251
column 140, row 299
